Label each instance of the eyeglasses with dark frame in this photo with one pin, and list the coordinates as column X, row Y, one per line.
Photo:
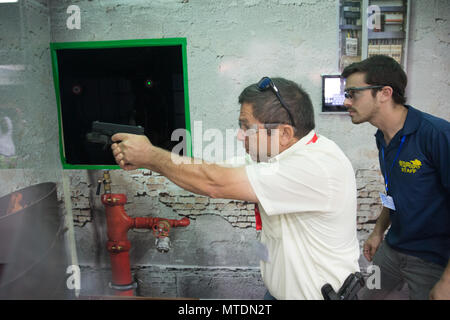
column 349, row 92
column 266, row 83
column 254, row 128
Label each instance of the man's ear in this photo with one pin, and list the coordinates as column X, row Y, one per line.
column 286, row 134
column 386, row 93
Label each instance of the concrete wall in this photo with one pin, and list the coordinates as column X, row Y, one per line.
column 230, row 44
column 27, row 85
column 428, row 59
column 30, row 154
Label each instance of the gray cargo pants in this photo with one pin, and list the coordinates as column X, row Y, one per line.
column 397, row 268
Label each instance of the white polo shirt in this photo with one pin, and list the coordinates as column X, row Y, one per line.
column 307, row 201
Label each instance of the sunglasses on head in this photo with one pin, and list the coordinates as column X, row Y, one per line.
column 267, row 83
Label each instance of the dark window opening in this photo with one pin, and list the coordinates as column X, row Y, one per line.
column 128, row 85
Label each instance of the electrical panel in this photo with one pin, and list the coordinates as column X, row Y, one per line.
column 371, row 27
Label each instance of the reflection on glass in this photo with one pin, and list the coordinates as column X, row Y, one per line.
column 6, row 143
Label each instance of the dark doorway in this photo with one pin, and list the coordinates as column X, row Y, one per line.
column 126, row 85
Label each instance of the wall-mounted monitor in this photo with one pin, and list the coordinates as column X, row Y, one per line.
column 333, row 93
column 130, row 82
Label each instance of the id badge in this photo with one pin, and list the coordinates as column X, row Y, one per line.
column 387, row 201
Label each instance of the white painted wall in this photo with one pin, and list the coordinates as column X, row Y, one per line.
column 230, row 44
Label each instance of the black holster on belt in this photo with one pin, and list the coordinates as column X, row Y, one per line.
column 348, row 291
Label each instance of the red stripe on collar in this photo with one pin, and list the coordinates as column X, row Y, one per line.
column 314, row 139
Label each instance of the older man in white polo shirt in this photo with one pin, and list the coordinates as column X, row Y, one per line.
column 303, row 184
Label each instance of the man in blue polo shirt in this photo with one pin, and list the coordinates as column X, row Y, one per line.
column 414, row 155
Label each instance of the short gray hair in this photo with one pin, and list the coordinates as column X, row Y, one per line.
column 268, row 109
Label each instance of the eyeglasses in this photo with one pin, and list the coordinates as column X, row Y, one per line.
column 254, row 128
column 266, row 83
column 349, row 92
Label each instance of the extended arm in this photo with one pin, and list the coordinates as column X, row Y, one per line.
column 196, row 176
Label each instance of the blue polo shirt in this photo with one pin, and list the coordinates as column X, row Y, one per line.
column 419, row 183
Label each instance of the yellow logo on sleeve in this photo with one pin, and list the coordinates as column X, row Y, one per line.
column 410, row 166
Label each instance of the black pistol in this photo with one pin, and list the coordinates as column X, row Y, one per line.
column 348, row 291
column 103, row 131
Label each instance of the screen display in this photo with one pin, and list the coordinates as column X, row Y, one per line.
column 333, row 93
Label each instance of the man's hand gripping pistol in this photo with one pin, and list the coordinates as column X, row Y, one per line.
column 103, row 131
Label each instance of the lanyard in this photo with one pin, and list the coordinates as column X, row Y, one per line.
column 313, row 139
column 258, row 218
column 385, row 167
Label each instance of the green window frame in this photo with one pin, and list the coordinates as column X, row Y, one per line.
column 55, row 46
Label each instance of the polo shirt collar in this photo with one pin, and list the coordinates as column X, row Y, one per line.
column 412, row 123
column 296, row 146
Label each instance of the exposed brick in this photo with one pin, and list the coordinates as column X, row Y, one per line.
column 230, row 206
column 360, row 185
column 190, row 199
column 212, row 200
column 85, row 212
column 167, row 199
column 146, row 172
column 365, row 200
column 80, row 202
column 202, row 200
column 363, row 194
column 251, row 206
column 375, row 206
column 155, row 186
column 374, row 194
column 179, row 192
column 241, row 205
column 153, row 194
column 364, row 207
column 364, row 212
column 243, row 225
column 184, row 212
column 374, row 187
column 229, row 213
column 183, row 206
column 362, row 219
column 218, row 206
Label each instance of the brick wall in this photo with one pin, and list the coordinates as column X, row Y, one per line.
column 210, row 274
column 181, row 281
column 369, row 183
column 146, row 190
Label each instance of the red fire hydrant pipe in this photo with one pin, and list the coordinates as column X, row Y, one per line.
column 118, row 223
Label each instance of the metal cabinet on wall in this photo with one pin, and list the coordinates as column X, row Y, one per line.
column 370, row 27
